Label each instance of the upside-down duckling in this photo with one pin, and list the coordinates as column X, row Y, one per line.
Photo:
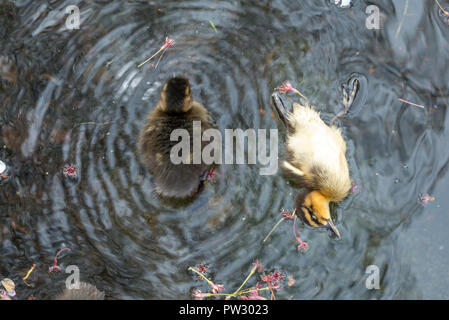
column 176, row 109
column 315, row 159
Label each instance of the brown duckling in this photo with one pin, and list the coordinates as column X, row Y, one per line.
column 176, row 109
column 86, row 291
column 315, row 159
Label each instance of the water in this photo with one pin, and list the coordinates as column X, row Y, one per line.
column 76, row 97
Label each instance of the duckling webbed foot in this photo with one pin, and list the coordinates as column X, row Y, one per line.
column 348, row 99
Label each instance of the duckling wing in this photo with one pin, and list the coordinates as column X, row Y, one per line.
column 172, row 180
column 318, row 152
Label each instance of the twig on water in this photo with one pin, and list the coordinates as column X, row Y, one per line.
column 411, row 103
column 168, row 43
column 402, row 20
column 272, row 280
column 303, row 246
column 286, row 215
column 216, row 288
column 246, row 280
column 275, row 226
column 28, row 274
column 95, row 123
column 92, row 123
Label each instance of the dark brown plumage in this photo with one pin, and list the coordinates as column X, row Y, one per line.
column 176, row 109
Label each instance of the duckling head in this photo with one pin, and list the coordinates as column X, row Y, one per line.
column 176, row 96
column 313, row 208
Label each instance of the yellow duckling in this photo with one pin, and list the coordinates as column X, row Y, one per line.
column 176, row 109
column 315, row 159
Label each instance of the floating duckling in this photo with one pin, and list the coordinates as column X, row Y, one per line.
column 315, row 159
column 86, row 291
column 176, row 109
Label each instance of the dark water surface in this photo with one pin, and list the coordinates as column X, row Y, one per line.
column 78, row 98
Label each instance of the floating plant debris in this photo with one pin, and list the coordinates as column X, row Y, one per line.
column 291, row 281
column 268, row 282
column 443, row 11
column 9, row 285
column 213, row 25
column 70, row 171
column 424, row 198
column 287, row 87
column 168, row 43
column 303, row 246
column 202, row 268
column 211, row 175
column 55, row 266
column 354, row 188
column 216, row 288
column 28, row 274
column 413, row 104
column 286, row 215
column 4, row 295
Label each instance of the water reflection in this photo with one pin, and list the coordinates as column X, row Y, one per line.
column 77, row 97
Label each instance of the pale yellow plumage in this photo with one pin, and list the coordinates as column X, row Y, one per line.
column 316, row 160
column 313, row 144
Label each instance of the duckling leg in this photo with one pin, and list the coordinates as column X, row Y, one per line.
column 347, row 100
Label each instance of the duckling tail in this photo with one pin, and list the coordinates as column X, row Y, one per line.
column 280, row 108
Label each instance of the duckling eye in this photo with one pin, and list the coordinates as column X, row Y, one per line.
column 312, row 212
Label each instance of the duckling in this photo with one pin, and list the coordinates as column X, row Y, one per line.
column 176, row 109
column 86, row 291
column 315, row 159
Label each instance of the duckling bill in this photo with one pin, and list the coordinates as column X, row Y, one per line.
column 176, row 109
column 315, row 159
